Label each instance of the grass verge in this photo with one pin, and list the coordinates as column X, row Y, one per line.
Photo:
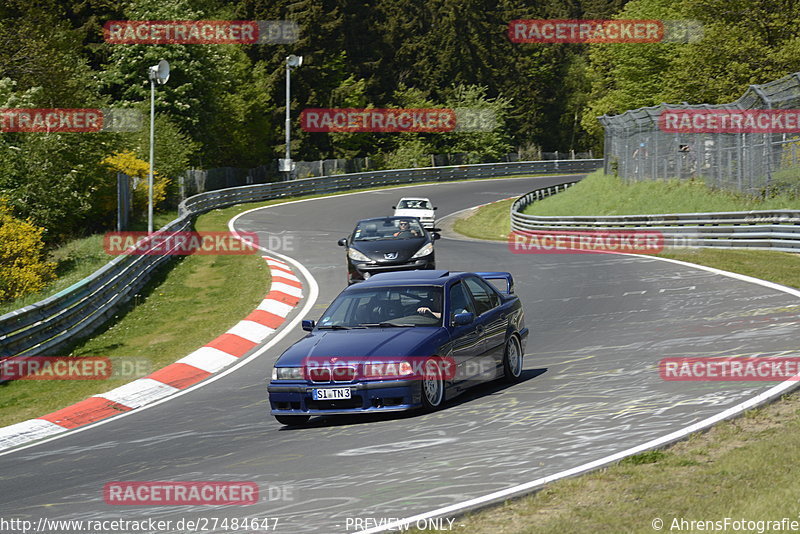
column 779, row 267
column 600, row 194
column 740, row 469
column 491, row 221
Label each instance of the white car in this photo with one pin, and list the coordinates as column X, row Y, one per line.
column 416, row 207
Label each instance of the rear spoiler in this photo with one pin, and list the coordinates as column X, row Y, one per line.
column 499, row 275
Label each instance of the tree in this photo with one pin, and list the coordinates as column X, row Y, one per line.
column 201, row 97
column 629, row 75
column 173, row 149
column 40, row 51
column 52, row 178
column 482, row 145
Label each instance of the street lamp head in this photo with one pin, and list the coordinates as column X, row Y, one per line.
column 159, row 73
column 294, row 61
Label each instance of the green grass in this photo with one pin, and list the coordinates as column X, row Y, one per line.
column 491, row 221
column 740, row 469
column 599, row 194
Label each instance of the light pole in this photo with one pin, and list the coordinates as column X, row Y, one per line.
column 286, row 164
column 157, row 73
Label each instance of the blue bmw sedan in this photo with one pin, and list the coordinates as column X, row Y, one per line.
column 402, row 341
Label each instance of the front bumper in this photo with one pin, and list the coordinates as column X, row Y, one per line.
column 366, row 397
column 357, row 271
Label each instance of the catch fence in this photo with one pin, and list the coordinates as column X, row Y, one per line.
column 758, row 164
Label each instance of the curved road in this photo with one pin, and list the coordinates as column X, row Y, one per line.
column 599, row 325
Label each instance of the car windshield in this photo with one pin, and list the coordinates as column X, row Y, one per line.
column 388, row 229
column 410, row 204
column 385, row 307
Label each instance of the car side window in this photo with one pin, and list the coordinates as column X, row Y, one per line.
column 459, row 301
column 485, row 297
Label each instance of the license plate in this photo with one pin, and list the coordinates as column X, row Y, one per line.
column 330, row 394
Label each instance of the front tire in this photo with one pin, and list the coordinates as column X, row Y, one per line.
column 292, row 420
column 512, row 360
column 432, row 386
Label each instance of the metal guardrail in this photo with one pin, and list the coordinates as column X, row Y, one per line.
column 47, row 326
column 777, row 230
column 344, row 182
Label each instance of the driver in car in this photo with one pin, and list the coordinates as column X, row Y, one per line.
column 405, row 231
column 433, row 308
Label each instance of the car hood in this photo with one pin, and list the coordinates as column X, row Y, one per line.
column 405, row 248
column 363, row 343
column 427, row 214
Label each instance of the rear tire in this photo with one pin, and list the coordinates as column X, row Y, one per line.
column 512, row 361
column 292, row 420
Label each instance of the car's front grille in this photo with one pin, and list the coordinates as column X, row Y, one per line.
column 332, row 374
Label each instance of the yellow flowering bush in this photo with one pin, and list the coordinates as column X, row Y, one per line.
column 23, row 268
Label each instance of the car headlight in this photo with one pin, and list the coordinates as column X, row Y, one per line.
column 353, row 254
column 424, row 251
column 287, row 373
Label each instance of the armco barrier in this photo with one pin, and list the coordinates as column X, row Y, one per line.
column 46, row 327
column 344, row 182
column 760, row 230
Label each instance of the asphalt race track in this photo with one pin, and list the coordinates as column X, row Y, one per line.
column 599, row 325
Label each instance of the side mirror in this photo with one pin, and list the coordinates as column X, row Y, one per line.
column 462, row 319
column 308, row 324
column 436, row 207
column 394, row 207
column 342, row 242
column 435, row 236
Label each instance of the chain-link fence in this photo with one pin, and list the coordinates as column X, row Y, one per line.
column 753, row 163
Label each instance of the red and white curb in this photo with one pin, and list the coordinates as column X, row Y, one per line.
column 285, row 293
